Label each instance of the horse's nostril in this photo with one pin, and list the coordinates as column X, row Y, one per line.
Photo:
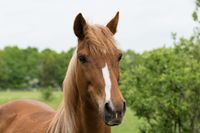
column 108, row 108
column 124, row 107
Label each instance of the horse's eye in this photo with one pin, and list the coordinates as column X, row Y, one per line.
column 82, row 59
column 119, row 57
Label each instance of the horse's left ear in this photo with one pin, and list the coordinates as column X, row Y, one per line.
column 112, row 25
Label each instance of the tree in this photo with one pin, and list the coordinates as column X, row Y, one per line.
column 28, row 68
column 163, row 86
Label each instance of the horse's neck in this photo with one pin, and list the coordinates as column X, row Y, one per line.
column 79, row 117
column 91, row 120
column 88, row 116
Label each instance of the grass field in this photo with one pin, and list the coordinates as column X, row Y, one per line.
column 129, row 125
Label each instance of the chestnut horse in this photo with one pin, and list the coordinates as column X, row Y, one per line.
column 92, row 98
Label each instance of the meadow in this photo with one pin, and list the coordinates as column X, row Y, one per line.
column 130, row 124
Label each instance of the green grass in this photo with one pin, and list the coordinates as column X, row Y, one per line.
column 129, row 125
column 36, row 95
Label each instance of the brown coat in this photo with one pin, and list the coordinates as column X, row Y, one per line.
column 25, row 116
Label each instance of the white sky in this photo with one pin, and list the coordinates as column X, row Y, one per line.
column 144, row 24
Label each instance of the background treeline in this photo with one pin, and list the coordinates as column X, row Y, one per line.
column 29, row 68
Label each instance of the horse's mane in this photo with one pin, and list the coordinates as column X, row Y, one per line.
column 98, row 40
column 64, row 121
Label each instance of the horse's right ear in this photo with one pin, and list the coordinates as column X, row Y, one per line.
column 79, row 26
column 112, row 25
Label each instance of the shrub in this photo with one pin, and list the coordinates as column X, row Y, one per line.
column 47, row 93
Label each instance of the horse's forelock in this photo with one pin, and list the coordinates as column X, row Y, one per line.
column 99, row 40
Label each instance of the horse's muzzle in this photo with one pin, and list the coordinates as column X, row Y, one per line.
column 113, row 116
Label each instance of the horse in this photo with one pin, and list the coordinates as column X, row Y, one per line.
column 92, row 100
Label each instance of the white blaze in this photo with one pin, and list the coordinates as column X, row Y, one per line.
column 107, row 81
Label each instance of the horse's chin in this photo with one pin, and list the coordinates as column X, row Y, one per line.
column 112, row 121
column 112, row 124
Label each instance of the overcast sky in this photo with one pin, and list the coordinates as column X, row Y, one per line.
column 143, row 24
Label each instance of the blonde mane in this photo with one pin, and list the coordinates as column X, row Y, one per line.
column 64, row 120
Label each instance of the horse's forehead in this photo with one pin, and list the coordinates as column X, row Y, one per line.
column 101, row 60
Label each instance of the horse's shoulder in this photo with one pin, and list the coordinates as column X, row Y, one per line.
column 6, row 117
column 6, row 113
column 15, row 113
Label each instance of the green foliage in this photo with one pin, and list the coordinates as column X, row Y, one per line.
column 163, row 87
column 195, row 14
column 28, row 68
column 47, row 93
